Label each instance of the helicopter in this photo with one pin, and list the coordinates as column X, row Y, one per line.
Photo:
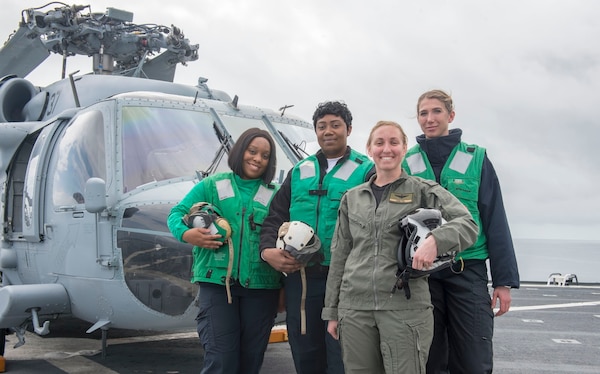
column 91, row 165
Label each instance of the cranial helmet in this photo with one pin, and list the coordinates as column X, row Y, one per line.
column 415, row 228
column 204, row 215
column 299, row 239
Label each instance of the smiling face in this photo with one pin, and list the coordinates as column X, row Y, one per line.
column 256, row 158
column 434, row 118
column 332, row 134
column 387, row 147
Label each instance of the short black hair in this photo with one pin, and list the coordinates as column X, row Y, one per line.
column 236, row 155
column 337, row 108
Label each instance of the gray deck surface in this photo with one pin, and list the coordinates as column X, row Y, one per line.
column 549, row 329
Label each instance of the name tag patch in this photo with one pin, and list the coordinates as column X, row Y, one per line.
column 401, row 198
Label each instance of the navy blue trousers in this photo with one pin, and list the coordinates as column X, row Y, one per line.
column 463, row 321
column 235, row 336
column 316, row 352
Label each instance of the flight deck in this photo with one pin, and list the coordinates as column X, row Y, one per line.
column 550, row 330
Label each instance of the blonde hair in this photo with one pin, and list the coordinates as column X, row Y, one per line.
column 387, row 123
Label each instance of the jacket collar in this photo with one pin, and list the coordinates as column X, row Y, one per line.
column 438, row 149
column 323, row 160
column 401, row 179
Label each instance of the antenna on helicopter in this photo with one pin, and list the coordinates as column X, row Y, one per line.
column 283, row 108
column 74, row 89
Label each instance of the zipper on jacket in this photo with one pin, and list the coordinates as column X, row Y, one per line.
column 318, row 208
column 322, row 174
column 376, row 254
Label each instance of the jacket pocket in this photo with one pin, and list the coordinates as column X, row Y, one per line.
column 464, row 188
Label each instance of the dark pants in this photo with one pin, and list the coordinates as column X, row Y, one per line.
column 235, row 336
column 463, row 321
column 3, row 333
column 316, row 351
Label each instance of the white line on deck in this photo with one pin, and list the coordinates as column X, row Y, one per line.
column 553, row 306
column 566, row 341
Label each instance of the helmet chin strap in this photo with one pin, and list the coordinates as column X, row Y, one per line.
column 303, row 301
column 300, row 240
column 229, row 271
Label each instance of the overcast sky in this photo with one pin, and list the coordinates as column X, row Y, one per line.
column 524, row 75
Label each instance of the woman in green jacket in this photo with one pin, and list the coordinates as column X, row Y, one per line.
column 381, row 331
column 239, row 292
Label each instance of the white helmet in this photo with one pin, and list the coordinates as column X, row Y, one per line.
column 299, row 239
column 415, row 228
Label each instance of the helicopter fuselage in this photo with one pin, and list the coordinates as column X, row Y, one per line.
column 87, row 190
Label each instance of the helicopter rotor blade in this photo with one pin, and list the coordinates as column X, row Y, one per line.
column 162, row 67
column 21, row 54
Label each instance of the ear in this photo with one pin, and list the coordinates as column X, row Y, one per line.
column 404, row 150
column 451, row 117
column 349, row 130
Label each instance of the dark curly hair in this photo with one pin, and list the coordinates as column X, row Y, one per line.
column 236, row 155
column 336, row 108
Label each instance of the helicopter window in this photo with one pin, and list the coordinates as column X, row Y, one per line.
column 163, row 143
column 157, row 267
column 80, row 156
column 300, row 137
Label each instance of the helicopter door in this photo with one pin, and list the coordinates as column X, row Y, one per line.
column 32, row 194
column 71, row 231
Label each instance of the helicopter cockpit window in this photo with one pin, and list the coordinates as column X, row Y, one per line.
column 237, row 125
column 163, row 143
column 301, row 138
column 80, row 156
